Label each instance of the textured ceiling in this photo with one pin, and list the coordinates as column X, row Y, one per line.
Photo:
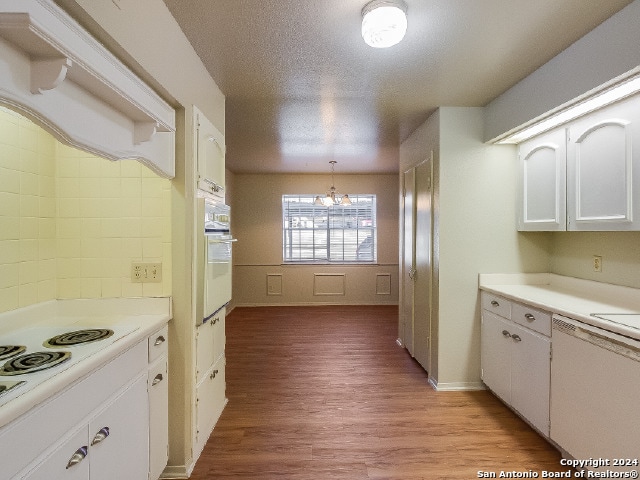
column 303, row 88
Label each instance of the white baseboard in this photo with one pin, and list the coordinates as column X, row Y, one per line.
column 455, row 386
column 174, row 472
column 314, row 304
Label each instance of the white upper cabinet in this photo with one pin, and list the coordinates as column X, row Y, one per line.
column 210, row 148
column 541, row 192
column 600, row 153
column 603, row 181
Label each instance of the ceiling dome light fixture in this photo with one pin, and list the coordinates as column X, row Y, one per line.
column 384, row 22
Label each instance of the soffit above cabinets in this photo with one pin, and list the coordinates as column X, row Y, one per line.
column 56, row 73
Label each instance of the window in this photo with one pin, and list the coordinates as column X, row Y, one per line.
column 340, row 234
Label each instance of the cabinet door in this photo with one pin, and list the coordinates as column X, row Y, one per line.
column 119, row 436
column 530, row 376
column 496, row 354
column 210, row 150
column 210, row 401
column 204, row 349
column 602, row 180
column 210, row 343
column 158, row 418
column 219, row 336
column 67, row 462
column 541, row 186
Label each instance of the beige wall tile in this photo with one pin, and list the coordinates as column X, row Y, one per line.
column 72, row 223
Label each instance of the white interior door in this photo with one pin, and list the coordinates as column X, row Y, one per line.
column 422, row 233
column 408, row 264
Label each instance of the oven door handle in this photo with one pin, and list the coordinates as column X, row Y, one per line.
column 221, row 240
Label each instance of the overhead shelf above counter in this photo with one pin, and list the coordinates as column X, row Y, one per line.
column 56, row 73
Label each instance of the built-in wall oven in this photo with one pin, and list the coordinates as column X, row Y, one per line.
column 214, row 258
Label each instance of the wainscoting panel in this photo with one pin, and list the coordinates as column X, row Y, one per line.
column 274, row 284
column 383, row 284
column 329, row 283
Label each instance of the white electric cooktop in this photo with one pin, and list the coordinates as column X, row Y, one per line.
column 627, row 320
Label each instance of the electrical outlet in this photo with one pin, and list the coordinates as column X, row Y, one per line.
column 597, row 263
column 146, row 272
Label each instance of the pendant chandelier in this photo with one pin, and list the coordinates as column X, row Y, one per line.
column 332, row 197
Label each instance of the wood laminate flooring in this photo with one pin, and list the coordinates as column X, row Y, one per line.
column 326, row 393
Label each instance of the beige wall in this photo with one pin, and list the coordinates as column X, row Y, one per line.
column 477, row 234
column 572, row 255
column 257, row 223
column 609, row 50
column 474, row 232
column 72, row 223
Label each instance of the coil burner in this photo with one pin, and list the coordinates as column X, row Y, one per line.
column 78, row 337
column 33, row 362
column 6, row 386
column 8, row 351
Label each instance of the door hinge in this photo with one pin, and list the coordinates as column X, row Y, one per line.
column 551, row 351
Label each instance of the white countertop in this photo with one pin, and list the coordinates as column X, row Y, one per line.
column 572, row 297
column 144, row 315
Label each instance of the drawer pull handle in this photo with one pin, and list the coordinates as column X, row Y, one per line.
column 506, row 334
column 516, row 338
column 159, row 341
column 213, row 374
column 529, row 317
column 77, row 457
column 100, row 436
column 494, row 303
column 215, row 320
column 158, row 378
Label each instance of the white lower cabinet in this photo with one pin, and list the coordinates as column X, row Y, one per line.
column 119, row 436
column 210, row 378
column 158, row 389
column 110, row 424
column 55, row 466
column 114, row 443
column 210, row 401
column 516, row 360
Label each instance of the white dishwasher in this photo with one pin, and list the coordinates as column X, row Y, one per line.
column 595, row 390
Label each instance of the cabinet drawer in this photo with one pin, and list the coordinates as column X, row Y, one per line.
column 532, row 318
column 158, row 343
column 496, row 304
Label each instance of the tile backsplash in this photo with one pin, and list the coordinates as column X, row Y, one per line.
column 72, row 223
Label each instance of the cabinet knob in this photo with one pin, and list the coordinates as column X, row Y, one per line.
column 529, row 317
column 159, row 341
column 516, row 338
column 100, row 436
column 156, row 380
column 213, row 374
column 77, row 457
column 506, row 334
column 215, row 320
column 494, row 303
